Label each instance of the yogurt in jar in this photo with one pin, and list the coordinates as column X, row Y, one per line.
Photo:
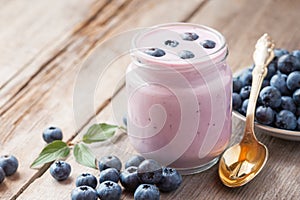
column 179, row 96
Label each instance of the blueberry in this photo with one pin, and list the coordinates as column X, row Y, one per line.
column 246, row 77
column 296, row 97
column 237, row 84
column 149, row 171
column 86, row 179
column 185, row 54
column 236, row 101
column 134, row 161
column 264, row 115
column 279, row 81
column 280, row 52
column 286, row 120
column 60, row 170
column 170, row 180
column 298, row 111
column 244, row 107
column 293, row 80
column 270, row 96
column 84, row 193
column 208, row 44
column 129, row 178
column 9, row 164
column 296, row 53
column 2, row 175
column 109, row 174
column 272, row 69
column 287, row 103
column 147, row 192
column 298, row 127
column 109, row 190
column 171, row 43
column 288, row 63
column 189, row 36
column 109, row 162
column 156, row 52
column 52, row 133
column 245, row 92
column 265, row 83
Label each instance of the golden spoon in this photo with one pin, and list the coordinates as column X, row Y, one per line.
column 242, row 162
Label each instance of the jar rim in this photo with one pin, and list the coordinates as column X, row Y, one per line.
column 217, row 55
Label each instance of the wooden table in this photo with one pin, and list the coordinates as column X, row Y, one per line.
column 43, row 45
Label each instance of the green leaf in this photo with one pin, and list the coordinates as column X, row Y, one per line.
column 55, row 150
column 99, row 132
column 84, row 155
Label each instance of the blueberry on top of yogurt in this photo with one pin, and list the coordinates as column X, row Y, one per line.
column 156, row 52
column 189, row 36
column 208, row 44
column 185, row 54
column 171, row 43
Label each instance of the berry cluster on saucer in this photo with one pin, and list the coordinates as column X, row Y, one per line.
column 278, row 103
column 8, row 166
column 144, row 177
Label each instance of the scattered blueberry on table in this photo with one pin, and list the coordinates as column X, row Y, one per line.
column 147, row 191
column 52, row 133
column 129, row 178
column 9, row 164
column 170, row 180
column 109, row 174
column 60, row 170
column 149, row 171
column 134, row 160
column 109, row 190
column 279, row 99
column 86, row 179
column 109, row 162
column 84, row 193
column 2, row 175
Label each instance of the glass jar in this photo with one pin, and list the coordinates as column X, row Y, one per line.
column 179, row 96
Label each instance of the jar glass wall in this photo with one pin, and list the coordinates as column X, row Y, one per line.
column 179, row 96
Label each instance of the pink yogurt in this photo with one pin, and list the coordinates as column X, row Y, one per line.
column 179, row 110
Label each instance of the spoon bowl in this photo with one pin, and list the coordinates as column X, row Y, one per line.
column 242, row 162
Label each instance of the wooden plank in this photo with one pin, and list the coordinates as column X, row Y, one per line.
column 242, row 24
column 44, row 101
column 198, row 186
column 207, row 184
column 47, row 98
column 31, row 34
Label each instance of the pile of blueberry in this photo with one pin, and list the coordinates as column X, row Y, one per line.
column 278, row 103
column 144, row 177
column 183, row 54
column 8, row 166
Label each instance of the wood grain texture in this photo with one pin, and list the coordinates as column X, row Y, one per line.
column 47, row 97
column 39, row 88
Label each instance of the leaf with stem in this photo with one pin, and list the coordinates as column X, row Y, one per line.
column 99, row 133
column 84, row 155
column 55, row 150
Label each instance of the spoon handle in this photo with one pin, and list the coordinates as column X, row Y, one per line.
column 262, row 56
